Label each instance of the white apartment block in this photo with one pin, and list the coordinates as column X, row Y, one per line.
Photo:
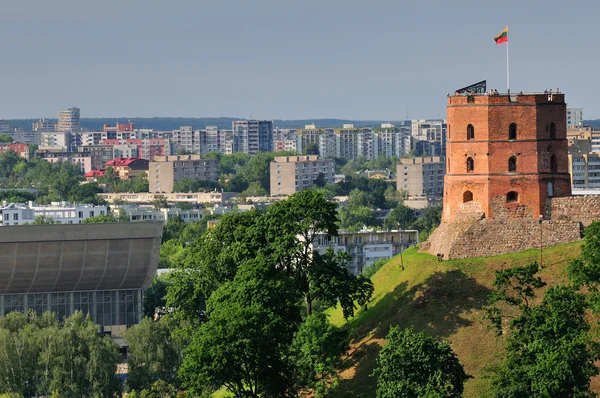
column 43, row 126
column 148, row 213
column 431, row 131
column 367, row 246
column 62, row 212
column 186, row 139
column 290, row 174
column 574, row 117
column 69, row 120
column 27, row 137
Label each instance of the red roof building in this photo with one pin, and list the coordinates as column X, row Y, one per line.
column 93, row 174
column 127, row 168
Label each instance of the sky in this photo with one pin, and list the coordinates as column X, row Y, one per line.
column 284, row 59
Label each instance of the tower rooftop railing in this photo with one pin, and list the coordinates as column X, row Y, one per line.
column 503, row 98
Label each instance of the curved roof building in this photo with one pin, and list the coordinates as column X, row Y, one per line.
column 100, row 269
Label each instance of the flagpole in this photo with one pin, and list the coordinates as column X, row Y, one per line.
column 507, row 67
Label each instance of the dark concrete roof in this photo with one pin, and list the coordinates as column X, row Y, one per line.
column 52, row 258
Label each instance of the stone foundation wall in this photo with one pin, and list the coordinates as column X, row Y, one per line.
column 475, row 236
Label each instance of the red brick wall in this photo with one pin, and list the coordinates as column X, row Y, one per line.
column 491, row 149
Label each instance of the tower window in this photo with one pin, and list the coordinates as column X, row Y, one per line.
column 512, row 163
column 470, row 132
column 467, row 196
column 553, row 164
column 512, row 131
column 552, row 131
column 470, row 165
column 511, row 197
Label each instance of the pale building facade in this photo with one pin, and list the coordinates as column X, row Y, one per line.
column 423, row 176
column 165, row 171
column 290, row 174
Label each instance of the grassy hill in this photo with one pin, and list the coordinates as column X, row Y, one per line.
column 441, row 298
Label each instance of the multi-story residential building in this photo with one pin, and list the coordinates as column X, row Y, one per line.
column 284, row 140
column 574, row 117
column 27, row 137
column 21, row 149
column 127, row 168
column 119, row 127
column 367, row 246
column 345, row 142
column 44, row 126
column 99, row 154
column 149, row 213
column 147, row 148
column 177, row 197
column 390, row 140
column 69, row 120
column 252, row 136
column 429, row 137
column 186, row 139
column 165, row 171
column 125, row 151
column 4, row 127
column 60, row 212
column 364, row 143
column 584, row 166
column 290, row 174
column 54, row 155
column 423, row 176
column 210, row 140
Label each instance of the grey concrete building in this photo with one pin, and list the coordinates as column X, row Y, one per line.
column 252, row 136
column 422, row 176
column 98, row 269
column 165, row 171
column 290, row 174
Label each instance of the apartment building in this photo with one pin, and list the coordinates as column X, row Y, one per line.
column 252, row 136
column 186, row 139
column 422, row 176
column 367, row 246
column 574, row 117
column 69, row 120
column 290, row 174
column 60, row 212
column 126, row 168
column 345, row 142
column 21, row 149
column 27, row 137
column 165, row 171
column 43, row 126
column 584, row 166
column 148, row 213
column 429, row 137
column 54, row 155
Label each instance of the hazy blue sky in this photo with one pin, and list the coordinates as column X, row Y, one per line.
column 287, row 59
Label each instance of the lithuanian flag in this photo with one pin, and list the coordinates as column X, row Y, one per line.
column 502, row 37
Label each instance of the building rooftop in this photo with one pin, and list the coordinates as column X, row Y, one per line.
column 121, row 162
column 95, row 173
column 506, row 98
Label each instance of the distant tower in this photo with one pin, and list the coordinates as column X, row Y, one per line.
column 506, row 155
column 68, row 120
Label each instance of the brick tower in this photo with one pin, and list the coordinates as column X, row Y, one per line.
column 506, row 155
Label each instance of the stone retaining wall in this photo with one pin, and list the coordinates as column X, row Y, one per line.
column 476, row 236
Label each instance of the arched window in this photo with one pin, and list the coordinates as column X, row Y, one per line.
column 552, row 131
column 553, row 164
column 467, row 196
column 512, row 163
column 470, row 132
column 470, row 165
column 512, row 131
column 511, row 197
column 550, row 190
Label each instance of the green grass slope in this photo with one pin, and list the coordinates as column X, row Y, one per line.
column 441, row 298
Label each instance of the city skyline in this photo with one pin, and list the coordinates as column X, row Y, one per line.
column 270, row 60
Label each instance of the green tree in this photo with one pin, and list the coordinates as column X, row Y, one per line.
column 254, row 189
column 155, row 296
column 316, row 353
column 100, row 219
column 358, row 198
column 354, row 218
column 549, row 351
column 5, row 138
column 160, row 203
column 43, row 220
column 414, row 364
column 153, row 353
column 310, row 149
column 401, row 216
column 243, row 345
column 585, row 270
column 186, row 185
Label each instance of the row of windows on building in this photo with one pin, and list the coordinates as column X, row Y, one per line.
column 512, row 131
column 512, row 164
column 511, row 197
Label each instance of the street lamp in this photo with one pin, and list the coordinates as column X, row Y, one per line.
column 541, row 240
